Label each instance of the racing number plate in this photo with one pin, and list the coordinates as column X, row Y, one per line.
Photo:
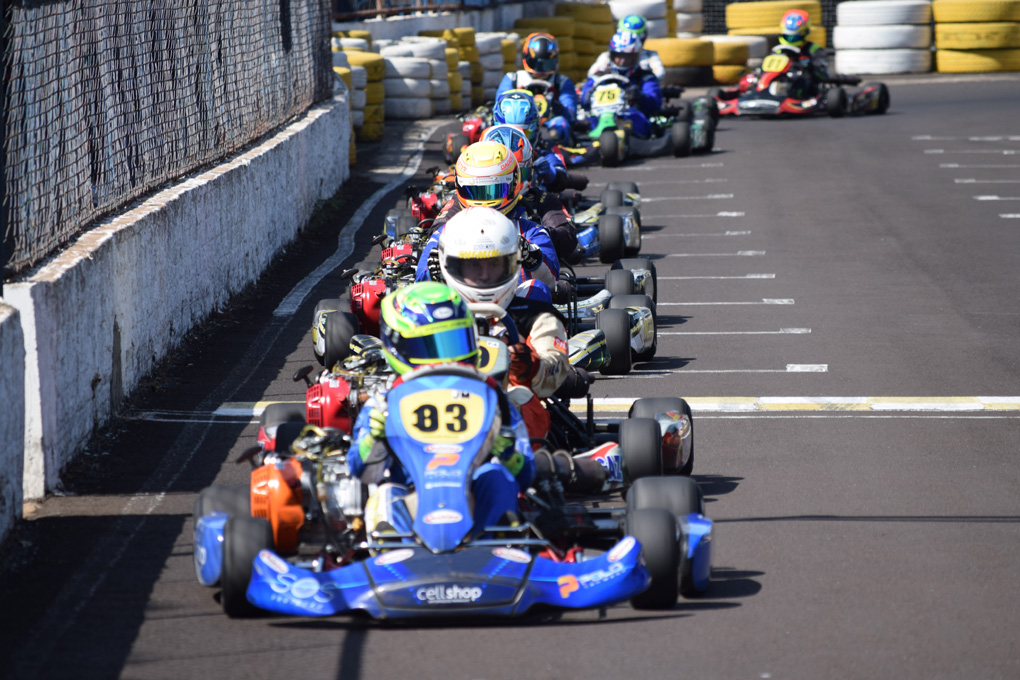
column 543, row 105
column 606, row 95
column 447, row 416
column 774, row 63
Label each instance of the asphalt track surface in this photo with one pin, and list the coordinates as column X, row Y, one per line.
column 857, row 536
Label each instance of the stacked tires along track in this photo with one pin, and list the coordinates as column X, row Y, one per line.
column 883, row 36
column 977, row 36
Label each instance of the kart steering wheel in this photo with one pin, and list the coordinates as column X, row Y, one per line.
column 486, row 311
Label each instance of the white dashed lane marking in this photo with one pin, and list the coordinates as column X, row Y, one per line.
column 690, row 278
column 764, row 301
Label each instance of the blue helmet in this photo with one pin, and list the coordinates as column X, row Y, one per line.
column 513, row 138
column 624, row 53
column 517, row 107
column 633, row 23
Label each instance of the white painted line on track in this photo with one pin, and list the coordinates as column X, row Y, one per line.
column 233, row 412
column 1001, row 152
column 707, row 197
column 739, row 253
column 645, row 237
column 997, row 198
column 781, row 331
column 669, row 182
column 345, row 243
column 790, row 368
column 656, row 168
column 1007, row 216
column 763, row 301
column 993, row 138
column 718, row 214
column 691, row 278
column 987, row 181
column 958, row 165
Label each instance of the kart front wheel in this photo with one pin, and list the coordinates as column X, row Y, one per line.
column 836, row 102
column 243, row 538
column 611, row 198
column 230, row 500
column 339, row 328
column 615, row 323
column 611, row 239
column 680, row 135
column 641, row 449
column 321, row 307
column 649, row 406
column 679, row 496
column 623, row 187
column 881, row 96
column 454, row 143
column 655, row 530
column 620, row 282
column 609, row 148
column 624, row 301
column 639, row 264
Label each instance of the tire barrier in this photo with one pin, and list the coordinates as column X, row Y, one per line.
column 762, row 18
column 977, row 61
column 883, row 36
column 978, row 36
column 882, row 62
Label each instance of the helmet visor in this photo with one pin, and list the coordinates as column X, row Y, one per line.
column 455, row 343
column 498, row 188
column 541, row 64
column 625, row 59
column 482, row 272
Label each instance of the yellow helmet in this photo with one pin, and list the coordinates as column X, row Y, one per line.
column 488, row 177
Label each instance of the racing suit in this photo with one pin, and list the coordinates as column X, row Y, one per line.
column 650, row 61
column 647, row 99
column 495, row 486
column 814, row 64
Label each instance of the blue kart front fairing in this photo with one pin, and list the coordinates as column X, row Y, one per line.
column 414, row 582
column 208, row 553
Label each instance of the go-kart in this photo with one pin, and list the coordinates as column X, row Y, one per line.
column 472, row 124
column 609, row 227
column 605, row 117
column 781, row 88
column 295, row 541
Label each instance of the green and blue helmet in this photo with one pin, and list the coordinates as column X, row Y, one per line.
column 426, row 323
column 633, row 23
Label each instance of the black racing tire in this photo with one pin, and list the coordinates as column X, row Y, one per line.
column 620, row 282
column 685, row 112
column 625, row 187
column 680, row 496
column 609, row 149
column 883, row 97
column 611, row 198
column 712, row 105
column 640, row 442
column 274, row 414
column 340, row 328
column 680, row 135
column 611, row 245
column 327, row 305
column 455, row 141
column 635, row 214
column 404, row 225
column 836, row 102
column 649, row 406
column 243, row 538
column 655, row 530
column 624, row 301
column 640, row 263
column 615, row 323
column 709, row 136
column 232, row 500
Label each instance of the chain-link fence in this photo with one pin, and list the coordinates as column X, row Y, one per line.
column 108, row 99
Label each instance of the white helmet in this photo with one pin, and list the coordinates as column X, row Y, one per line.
column 479, row 254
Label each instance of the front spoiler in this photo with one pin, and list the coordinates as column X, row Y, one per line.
column 481, row 580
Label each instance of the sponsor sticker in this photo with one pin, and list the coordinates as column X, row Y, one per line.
column 305, row 588
column 274, row 562
column 442, row 449
column 444, row 594
column 442, row 458
column 443, row 517
column 394, row 556
column 621, row 549
column 568, row 584
column 559, row 344
column 512, row 554
column 443, row 313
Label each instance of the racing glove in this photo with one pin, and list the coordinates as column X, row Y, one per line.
column 531, row 255
column 435, row 271
column 524, row 364
column 376, row 432
column 508, row 455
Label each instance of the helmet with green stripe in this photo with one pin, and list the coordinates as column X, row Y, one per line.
column 426, row 323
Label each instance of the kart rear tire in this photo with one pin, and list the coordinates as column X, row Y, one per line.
column 836, row 102
column 679, row 496
column 639, row 263
column 680, row 136
column 655, row 529
column 709, row 136
column 611, row 243
column 611, row 198
column 327, row 305
column 641, row 449
column 624, row 301
column 615, row 323
column 243, row 538
column 609, row 149
column 340, row 327
column 620, row 282
column 649, row 406
column 883, row 98
column 624, row 187
column 685, row 112
column 274, row 414
column 454, row 142
column 231, row 500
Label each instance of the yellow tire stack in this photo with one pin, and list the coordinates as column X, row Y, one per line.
column 976, row 36
column 343, row 75
column 593, row 27
column 763, row 18
column 372, row 127
column 688, row 61
column 730, row 55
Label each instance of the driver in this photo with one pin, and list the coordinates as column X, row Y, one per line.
column 793, row 32
column 625, row 61
column 426, row 324
column 650, row 60
column 540, row 58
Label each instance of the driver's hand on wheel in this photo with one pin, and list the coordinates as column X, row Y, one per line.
column 524, row 364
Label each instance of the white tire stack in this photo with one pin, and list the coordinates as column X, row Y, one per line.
column 490, row 56
column 368, row 70
column 977, row 36
column 653, row 11
column 688, row 17
column 408, row 86
column 345, row 83
column 882, row 36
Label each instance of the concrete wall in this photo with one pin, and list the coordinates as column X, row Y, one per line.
column 12, row 416
column 499, row 18
column 99, row 315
